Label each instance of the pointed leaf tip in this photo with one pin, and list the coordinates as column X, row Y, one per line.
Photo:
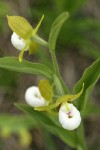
column 55, row 29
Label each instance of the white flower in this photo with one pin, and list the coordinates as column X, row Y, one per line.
column 33, row 97
column 17, row 42
column 69, row 116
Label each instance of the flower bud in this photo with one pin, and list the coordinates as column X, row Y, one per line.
column 34, row 98
column 69, row 116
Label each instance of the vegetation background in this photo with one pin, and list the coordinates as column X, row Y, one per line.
column 77, row 47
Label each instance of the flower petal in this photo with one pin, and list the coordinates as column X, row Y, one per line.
column 33, row 47
column 69, row 123
column 34, row 98
column 17, row 42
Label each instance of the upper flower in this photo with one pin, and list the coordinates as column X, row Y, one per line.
column 23, row 33
column 17, row 41
column 69, row 116
column 33, row 97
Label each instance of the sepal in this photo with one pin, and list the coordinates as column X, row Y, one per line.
column 20, row 26
column 33, row 47
column 46, row 90
column 62, row 99
column 38, row 25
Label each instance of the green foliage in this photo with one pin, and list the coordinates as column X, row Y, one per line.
column 48, row 124
column 7, row 78
column 81, row 31
column 81, row 138
column 13, row 64
column 50, row 144
column 90, row 77
column 55, row 29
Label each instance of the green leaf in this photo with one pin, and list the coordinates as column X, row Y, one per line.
column 55, row 29
column 46, row 89
column 12, row 63
column 45, row 121
column 90, row 77
column 81, row 145
column 49, row 141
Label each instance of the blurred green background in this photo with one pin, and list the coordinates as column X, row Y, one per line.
column 77, row 47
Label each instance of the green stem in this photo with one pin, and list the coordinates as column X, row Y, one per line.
column 39, row 40
column 81, row 138
column 66, row 90
column 55, row 64
column 57, row 72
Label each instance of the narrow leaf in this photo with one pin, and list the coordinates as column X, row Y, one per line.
column 12, row 63
column 55, row 29
column 90, row 77
column 45, row 121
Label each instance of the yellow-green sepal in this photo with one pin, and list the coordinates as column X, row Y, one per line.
column 46, row 90
column 47, row 108
column 20, row 26
column 62, row 99
column 33, row 47
column 38, row 25
column 70, row 97
column 22, row 53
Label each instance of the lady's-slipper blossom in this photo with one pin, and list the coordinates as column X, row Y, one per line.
column 69, row 116
column 33, row 97
column 24, row 37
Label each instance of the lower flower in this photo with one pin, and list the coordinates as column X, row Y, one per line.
column 69, row 116
column 33, row 97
